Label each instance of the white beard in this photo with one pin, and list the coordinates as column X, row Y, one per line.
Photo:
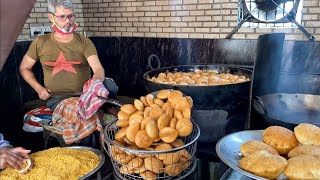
column 65, row 30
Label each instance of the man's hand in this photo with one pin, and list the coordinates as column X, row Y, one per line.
column 13, row 157
column 43, row 93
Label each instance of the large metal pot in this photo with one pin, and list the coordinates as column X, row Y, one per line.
column 214, row 106
column 205, row 97
column 288, row 110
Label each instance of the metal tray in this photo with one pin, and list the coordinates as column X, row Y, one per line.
column 232, row 174
column 98, row 153
column 228, row 149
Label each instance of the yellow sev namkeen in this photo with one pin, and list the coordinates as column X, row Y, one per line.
column 56, row 164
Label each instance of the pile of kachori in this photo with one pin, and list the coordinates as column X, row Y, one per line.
column 295, row 154
column 154, row 123
column 198, row 78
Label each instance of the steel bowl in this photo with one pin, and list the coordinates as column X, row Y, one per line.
column 228, row 149
column 98, row 153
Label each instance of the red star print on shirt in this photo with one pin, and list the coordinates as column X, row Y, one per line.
column 62, row 64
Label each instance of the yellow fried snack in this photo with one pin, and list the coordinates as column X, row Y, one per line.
column 56, row 163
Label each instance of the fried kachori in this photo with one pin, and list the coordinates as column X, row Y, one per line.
column 153, row 164
column 128, row 109
column 142, row 139
column 151, row 123
column 168, row 134
column 184, row 127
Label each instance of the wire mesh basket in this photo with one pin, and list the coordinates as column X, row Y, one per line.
column 157, row 162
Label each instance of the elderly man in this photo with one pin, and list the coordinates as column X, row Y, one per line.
column 11, row 157
column 66, row 57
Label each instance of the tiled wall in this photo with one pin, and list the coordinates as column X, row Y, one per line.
column 170, row 18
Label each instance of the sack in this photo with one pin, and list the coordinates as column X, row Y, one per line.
column 34, row 120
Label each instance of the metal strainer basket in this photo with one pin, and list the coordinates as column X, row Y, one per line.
column 175, row 163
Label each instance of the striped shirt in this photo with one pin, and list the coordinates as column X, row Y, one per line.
column 3, row 143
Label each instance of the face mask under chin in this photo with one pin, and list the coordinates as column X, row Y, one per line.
column 66, row 30
column 63, row 30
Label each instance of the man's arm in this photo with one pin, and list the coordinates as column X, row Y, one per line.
column 11, row 157
column 4, row 143
column 98, row 71
column 27, row 74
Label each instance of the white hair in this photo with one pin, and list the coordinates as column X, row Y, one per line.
column 52, row 4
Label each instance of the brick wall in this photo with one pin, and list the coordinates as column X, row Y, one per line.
column 39, row 17
column 172, row 18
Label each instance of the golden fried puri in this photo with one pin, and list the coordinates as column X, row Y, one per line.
column 263, row 164
column 303, row 167
column 308, row 134
column 305, row 150
column 280, row 138
column 253, row 146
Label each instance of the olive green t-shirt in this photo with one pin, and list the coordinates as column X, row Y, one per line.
column 65, row 66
